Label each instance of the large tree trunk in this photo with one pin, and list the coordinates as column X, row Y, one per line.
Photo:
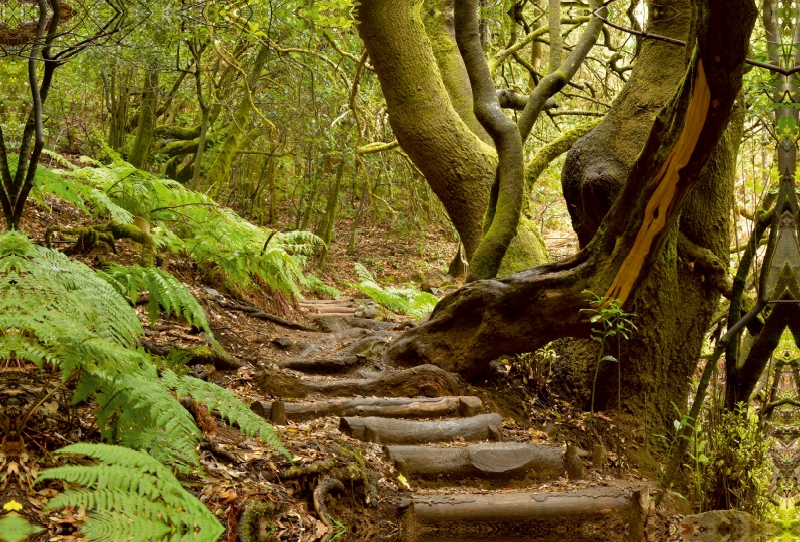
column 412, row 47
column 525, row 311
column 677, row 301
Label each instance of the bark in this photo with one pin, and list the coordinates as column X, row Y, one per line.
column 385, row 407
column 676, row 303
column 585, row 515
column 525, row 311
column 426, row 380
column 147, row 120
column 495, row 461
column 506, row 197
column 219, row 171
column 424, row 80
column 390, row 431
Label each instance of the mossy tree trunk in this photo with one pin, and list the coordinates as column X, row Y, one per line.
column 429, row 96
column 219, row 172
column 146, row 128
column 675, row 304
column 636, row 238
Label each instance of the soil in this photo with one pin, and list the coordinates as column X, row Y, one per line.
column 237, row 471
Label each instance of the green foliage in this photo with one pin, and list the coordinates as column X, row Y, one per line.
column 192, row 223
column 57, row 311
column 729, row 463
column 608, row 320
column 165, row 292
column 409, row 301
column 131, row 496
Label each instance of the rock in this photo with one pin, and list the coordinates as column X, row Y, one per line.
column 719, row 526
column 436, row 280
column 284, row 343
column 368, row 310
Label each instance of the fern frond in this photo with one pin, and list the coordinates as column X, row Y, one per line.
column 409, row 301
column 227, row 403
column 166, row 292
column 132, row 496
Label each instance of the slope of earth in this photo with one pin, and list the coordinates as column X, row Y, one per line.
column 397, row 469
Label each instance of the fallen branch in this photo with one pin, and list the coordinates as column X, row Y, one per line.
column 261, row 315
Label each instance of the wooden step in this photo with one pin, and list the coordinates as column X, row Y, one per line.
column 389, row 431
column 495, row 461
column 594, row 514
column 384, row 407
column 426, row 380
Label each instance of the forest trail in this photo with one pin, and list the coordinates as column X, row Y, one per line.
column 461, row 476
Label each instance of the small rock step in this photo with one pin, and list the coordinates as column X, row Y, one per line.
column 594, row 514
column 389, row 431
column 497, row 461
column 384, row 407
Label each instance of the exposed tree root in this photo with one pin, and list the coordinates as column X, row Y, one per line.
column 323, row 488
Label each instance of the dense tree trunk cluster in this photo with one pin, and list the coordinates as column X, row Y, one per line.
column 629, row 253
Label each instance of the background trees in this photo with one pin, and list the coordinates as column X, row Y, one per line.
column 338, row 126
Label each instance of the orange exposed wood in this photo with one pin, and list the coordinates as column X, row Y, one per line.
column 665, row 195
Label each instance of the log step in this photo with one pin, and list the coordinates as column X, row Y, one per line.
column 496, row 461
column 426, row 380
column 384, row 407
column 389, row 431
column 595, row 514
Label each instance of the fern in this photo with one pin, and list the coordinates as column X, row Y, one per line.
column 191, row 223
column 409, row 301
column 57, row 311
column 226, row 402
column 166, row 292
column 132, row 497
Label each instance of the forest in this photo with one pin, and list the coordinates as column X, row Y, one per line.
column 399, row 270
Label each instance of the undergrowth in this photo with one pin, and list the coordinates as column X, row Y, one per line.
column 408, row 301
column 60, row 313
column 130, row 496
column 63, row 316
column 187, row 222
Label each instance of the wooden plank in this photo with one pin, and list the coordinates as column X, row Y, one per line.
column 390, row 431
column 385, row 407
column 587, row 515
column 495, row 461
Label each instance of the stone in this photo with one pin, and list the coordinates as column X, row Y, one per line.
column 436, row 280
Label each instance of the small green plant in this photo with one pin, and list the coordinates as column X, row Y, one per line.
column 730, row 464
column 409, row 301
column 130, row 496
column 607, row 320
column 683, row 420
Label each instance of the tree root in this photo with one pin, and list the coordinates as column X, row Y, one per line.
column 323, row 488
column 261, row 315
column 90, row 237
column 251, row 527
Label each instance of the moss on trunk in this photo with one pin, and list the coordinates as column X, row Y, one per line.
column 219, row 171
column 147, row 120
column 675, row 304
